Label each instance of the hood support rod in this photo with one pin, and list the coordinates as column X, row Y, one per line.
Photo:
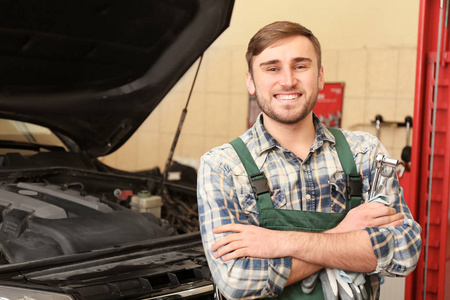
column 177, row 133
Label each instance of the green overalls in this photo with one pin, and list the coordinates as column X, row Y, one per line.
column 282, row 219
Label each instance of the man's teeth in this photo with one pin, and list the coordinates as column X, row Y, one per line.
column 287, row 97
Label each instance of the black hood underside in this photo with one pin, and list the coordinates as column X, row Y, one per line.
column 94, row 70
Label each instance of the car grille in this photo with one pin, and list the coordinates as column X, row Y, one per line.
column 188, row 284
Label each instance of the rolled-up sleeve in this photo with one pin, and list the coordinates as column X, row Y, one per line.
column 397, row 248
column 218, row 205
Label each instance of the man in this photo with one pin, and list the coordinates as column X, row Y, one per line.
column 297, row 155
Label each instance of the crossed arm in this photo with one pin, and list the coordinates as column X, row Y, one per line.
column 311, row 252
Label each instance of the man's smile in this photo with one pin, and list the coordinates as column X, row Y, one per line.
column 289, row 96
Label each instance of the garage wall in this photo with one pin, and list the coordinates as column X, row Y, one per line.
column 368, row 45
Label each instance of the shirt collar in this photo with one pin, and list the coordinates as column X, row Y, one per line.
column 264, row 141
column 322, row 134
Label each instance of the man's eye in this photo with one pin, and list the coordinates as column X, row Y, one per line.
column 272, row 69
column 300, row 67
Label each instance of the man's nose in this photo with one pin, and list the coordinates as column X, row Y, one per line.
column 288, row 78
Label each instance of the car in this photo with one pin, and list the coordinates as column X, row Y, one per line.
column 77, row 79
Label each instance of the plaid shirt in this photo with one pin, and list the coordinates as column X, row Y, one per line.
column 315, row 184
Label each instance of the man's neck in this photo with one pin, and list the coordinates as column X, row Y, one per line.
column 297, row 137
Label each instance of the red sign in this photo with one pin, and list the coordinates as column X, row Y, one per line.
column 328, row 107
column 329, row 104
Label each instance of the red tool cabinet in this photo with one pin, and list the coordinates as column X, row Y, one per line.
column 437, row 265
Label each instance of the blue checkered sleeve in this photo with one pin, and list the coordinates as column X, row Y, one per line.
column 397, row 248
column 219, row 205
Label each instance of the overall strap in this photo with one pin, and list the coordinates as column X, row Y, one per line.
column 354, row 181
column 257, row 179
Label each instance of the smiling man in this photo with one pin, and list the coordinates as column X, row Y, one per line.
column 286, row 78
column 290, row 229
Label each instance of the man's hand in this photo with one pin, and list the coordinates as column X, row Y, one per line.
column 371, row 214
column 248, row 240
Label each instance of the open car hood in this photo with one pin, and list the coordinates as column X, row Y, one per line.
column 94, row 70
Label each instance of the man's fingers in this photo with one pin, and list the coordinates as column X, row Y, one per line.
column 245, row 240
column 232, row 250
column 384, row 214
column 224, row 228
column 226, row 249
column 235, row 254
column 383, row 211
column 394, row 223
column 224, row 241
column 387, row 221
column 371, row 214
column 228, row 228
column 220, row 243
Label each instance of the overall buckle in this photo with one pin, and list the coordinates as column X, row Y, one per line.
column 259, row 183
column 354, row 186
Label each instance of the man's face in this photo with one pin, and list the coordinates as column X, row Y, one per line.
column 286, row 79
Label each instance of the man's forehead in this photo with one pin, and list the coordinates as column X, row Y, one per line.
column 290, row 48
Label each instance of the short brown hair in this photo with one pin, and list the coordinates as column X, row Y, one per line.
column 276, row 31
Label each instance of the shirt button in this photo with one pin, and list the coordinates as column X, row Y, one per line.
column 308, row 197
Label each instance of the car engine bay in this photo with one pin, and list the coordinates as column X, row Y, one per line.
column 63, row 224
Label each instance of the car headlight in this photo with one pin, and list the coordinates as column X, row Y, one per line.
column 14, row 293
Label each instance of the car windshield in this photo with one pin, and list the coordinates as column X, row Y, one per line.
column 15, row 135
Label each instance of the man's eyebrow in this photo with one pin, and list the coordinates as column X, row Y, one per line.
column 275, row 61
column 302, row 59
column 269, row 62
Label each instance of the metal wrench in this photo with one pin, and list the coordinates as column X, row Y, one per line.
column 386, row 168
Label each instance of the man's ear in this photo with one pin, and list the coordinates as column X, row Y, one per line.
column 250, row 84
column 321, row 79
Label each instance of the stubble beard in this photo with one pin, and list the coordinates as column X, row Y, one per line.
column 307, row 107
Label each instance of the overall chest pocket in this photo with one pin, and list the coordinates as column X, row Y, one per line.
column 337, row 195
column 247, row 201
column 338, row 190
